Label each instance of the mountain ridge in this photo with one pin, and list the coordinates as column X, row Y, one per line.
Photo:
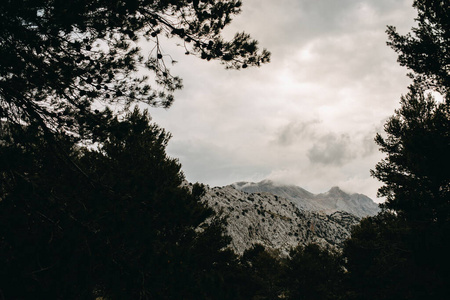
column 275, row 222
column 329, row 202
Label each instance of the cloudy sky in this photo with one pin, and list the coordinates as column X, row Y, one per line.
column 307, row 118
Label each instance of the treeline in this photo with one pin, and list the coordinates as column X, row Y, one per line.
column 91, row 206
column 126, row 228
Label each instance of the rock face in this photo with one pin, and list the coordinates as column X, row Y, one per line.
column 276, row 222
column 332, row 201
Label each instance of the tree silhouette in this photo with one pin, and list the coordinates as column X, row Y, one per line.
column 425, row 51
column 58, row 57
column 379, row 261
column 111, row 219
column 313, row 273
column 416, row 181
column 416, row 169
column 134, row 234
column 263, row 273
column 403, row 252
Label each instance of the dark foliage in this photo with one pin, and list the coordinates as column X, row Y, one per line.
column 425, row 51
column 263, row 271
column 123, row 229
column 387, row 259
column 313, row 273
column 59, row 57
column 410, row 246
column 379, row 260
column 403, row 252
column 416, row 170
column 114, row 220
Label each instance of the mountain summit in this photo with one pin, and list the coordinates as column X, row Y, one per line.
column 333, row 200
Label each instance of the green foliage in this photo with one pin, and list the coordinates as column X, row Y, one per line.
column 425, row 51
column 59, row 57
column 122, row 229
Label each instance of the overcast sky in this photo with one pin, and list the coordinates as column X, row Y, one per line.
column 310, row 116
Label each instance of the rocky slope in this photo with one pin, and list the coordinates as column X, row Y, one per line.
column 276, row 222
column 332, row 201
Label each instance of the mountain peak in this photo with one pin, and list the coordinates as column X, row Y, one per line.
column 242, row 185
column 333, row 200
column 266, row 181
column 335, row 190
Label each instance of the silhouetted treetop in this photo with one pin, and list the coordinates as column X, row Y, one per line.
column 425, row 51
column 416, row 170
column 58, row 57
column 402, row 253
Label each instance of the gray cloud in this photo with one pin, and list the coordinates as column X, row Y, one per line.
column 295, row 131
column 331, row 149
column 217, row 166
column 369, row 147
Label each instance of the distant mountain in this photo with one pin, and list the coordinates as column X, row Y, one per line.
column 276, row 222
column 332, row 201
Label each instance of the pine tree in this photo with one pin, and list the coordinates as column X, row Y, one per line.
column 128, row 229
column 403, row 252
column 416, row 170
column 425, row 51
column 58, row 57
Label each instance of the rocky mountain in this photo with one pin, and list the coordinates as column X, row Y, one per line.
column 275, row 221
column 332, row 201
